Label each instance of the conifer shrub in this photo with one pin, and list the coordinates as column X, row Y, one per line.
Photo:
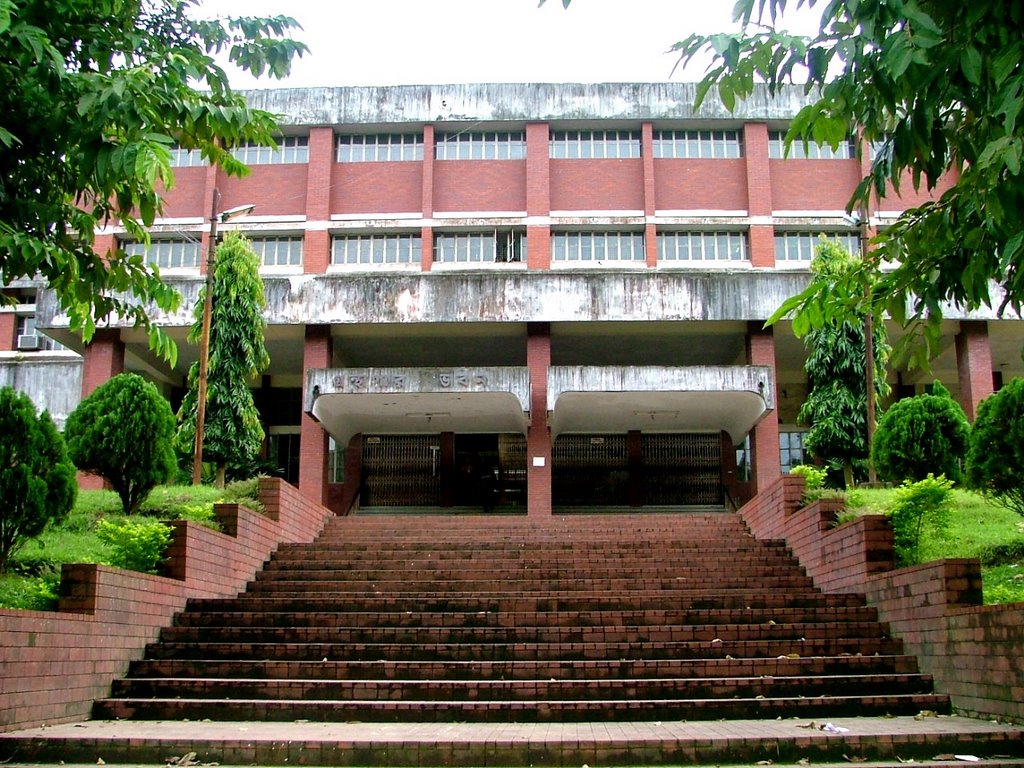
column 922, row 435
column 995, row 462
column 37, row 480
column 124, row 432
column 920, row 505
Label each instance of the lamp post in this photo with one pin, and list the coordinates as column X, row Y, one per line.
column 204, row 338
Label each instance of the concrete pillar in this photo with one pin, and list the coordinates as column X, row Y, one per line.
column 759, row 195
column 973, row 365
column 764, row 440
column 313, row 439
column 538, row 438
column 316, row 250
column 538, row 196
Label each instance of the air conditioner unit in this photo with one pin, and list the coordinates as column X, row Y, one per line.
column 28, row 341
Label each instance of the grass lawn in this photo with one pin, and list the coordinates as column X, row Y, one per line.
column 977, row 528
column 34, row 573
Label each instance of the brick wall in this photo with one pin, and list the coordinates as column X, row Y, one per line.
column 695, row 184
column 597, row 185
column 480, row 185
column 8, row 326
column 55, row 664
column 812, row 185
column 972, row 651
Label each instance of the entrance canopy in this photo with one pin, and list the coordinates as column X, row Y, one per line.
column 659, row 399
column 347, row 401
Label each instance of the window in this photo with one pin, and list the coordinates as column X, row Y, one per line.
column 588, row 144
column 26, row 327
column 375, row 148
column 290, row 149
column 186, row 158
column 702, row 246
column 791, row 450
column 278, row 251
column 480, row 247
column 799, row 246
column 777, row 149
column 335, row 462
column 698, row 144
column 377, row 249
column 167, row 254
column 481, row 146
column 597, row 246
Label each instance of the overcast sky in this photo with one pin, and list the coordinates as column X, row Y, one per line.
column 406, row 42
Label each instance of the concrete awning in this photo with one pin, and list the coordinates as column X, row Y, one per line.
column 659, row 399
column 347, row 401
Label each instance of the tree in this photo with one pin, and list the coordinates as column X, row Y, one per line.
column 937, row 89
column 836, row 406
column 922, row 435
column 37, row 480
column 232, row 429
column 995, row 463
column 124, row 432
column 96, row 92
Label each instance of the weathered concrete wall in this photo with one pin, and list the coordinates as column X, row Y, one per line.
column 493, row 102
column 53, row 381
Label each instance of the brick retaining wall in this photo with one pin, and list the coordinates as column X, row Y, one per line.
column 53, row 664
column 972, row 651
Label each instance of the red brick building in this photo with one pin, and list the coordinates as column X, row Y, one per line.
column 523, row 297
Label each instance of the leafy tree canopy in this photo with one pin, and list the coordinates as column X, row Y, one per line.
column 232, row 431
column 37, row 480
column 124, row 432
column 936, row 88
column 995, row 463
column 96, row 92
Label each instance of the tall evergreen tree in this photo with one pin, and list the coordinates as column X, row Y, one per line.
column 232, row 429
column 836, row 405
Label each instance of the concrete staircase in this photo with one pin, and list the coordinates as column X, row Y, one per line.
column 582, row 618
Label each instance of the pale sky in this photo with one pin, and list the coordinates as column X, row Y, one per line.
column 407, row 42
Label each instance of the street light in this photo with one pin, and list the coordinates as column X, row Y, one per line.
column 204, row 338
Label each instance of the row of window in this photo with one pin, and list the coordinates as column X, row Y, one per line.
column 501, row 246
column 511, row 145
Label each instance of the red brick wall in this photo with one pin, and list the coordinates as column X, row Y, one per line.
column 538, row 440
column 186, row 197
column 809, row 185
column 694, row 184
column 377, row 187
column 55, row 664
column 759, row 194
column 597, row 185
column 319, row 174
column 908, row 197
column 276, row 190
column 972, row 651
column 8, row 327
column 479, row 185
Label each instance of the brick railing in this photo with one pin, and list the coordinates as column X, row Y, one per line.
column 972, row 651
column 54, row 664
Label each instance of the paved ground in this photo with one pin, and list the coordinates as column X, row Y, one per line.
column 610, row 743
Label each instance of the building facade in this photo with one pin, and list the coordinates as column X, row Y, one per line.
column 519, row 297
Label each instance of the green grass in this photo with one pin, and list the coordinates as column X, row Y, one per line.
column 34, row 569
column 978, row 528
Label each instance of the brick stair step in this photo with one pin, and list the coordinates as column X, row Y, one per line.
column 562, row 618
column 296, row 651
column 518, row 670
column 522, row 690
column 515, row 711
column 474, row 572
column 534, row 603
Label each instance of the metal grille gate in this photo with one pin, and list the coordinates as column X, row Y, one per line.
column 682, row 469
column 401, row 470
column 590, row 470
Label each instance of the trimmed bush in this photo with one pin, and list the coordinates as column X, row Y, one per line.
column 995, row 463
column 37, row 480
column 137, row 545
column 920, row 505
column 922, row 435
column 124, row 432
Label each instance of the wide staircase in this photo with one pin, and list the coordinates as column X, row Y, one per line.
column 645, row 617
